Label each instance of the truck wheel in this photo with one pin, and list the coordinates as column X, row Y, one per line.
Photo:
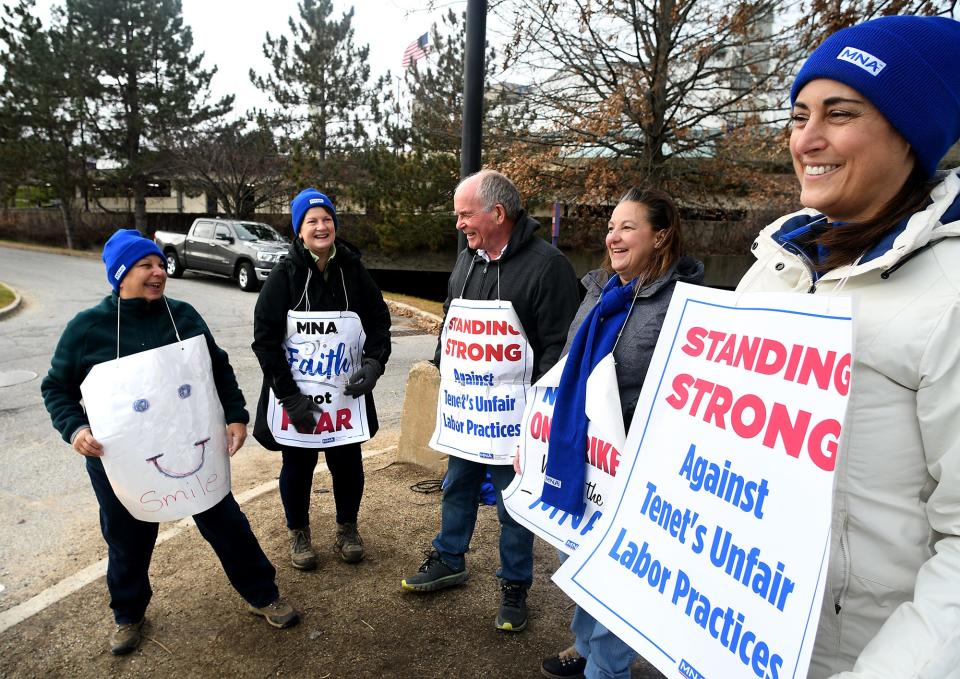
column 247, row 277
column 174, row 269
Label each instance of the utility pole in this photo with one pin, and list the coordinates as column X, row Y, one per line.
column 473, row 70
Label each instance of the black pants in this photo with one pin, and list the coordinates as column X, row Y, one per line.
column 296, row 480
column 130, row 546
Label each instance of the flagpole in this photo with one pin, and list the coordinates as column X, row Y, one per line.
column 473, row 71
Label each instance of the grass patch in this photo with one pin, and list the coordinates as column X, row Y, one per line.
column 6, row 295
column 17, row 245
column 422, row 304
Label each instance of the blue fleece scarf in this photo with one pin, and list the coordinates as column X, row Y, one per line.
column 566, row 456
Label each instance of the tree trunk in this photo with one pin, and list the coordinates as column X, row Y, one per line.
column 69, row 224
column 140, row 204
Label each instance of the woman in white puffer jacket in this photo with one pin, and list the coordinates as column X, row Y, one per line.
column 875, row 109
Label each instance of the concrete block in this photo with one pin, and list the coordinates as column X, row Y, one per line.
column 419, row 418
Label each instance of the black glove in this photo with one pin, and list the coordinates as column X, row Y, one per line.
column 300, row 409
column 365, row 379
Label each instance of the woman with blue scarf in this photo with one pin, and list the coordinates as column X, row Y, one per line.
column 623, row 311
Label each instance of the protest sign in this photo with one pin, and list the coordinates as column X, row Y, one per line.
column 323, row 349
column 485, row 368
column 158, row 416
column 605, row 438
column 713, row 560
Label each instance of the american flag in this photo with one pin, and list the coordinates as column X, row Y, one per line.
column 415, row 50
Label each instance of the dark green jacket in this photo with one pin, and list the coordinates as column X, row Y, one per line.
column 91, row 338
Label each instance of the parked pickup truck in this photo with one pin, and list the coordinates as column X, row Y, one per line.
column 244, row 251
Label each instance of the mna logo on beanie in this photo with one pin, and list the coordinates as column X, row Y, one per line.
column 122, row 250
column 864, row 60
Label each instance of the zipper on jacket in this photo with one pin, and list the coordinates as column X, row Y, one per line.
column 801, row 256
column 483, row 278
column 844, row 568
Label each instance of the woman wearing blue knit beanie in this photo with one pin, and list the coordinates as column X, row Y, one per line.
column 127, row 325
column 321, row 331
column 874, row 111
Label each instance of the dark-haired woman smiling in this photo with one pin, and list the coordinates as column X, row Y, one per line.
column 875, row 108
column 622, row 313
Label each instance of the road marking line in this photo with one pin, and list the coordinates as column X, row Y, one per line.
column 82, row 578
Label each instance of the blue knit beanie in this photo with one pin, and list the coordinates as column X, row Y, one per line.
column 125, row 248
column 307, row 199
column 908, row 67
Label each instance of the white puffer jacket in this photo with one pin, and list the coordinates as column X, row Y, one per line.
column 892, row 603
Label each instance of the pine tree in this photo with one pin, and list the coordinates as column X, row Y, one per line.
column 435, row 108
column 320, row 84
column 43, row 110
column 150, row 87
column 406, row 181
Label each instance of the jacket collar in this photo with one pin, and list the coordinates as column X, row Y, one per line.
column 684, row 270
column 940, row 219
column 136, row 305
column 523, row 231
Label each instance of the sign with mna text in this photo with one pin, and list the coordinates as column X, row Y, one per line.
column 323, row 349
column 602, row 457
column 712, row 563
column 486, row 365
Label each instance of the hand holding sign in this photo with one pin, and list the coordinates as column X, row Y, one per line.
column 85, row 444
column 365, row 379
column 301, row 408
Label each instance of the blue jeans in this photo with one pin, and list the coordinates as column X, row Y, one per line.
column 459, row 517
column 607, row 656
column 130, row 546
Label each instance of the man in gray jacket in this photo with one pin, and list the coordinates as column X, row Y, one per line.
column 504, row 260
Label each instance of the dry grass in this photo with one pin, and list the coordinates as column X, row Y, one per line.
column 422, row 304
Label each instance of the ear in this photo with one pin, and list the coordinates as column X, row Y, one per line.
column 499, row 214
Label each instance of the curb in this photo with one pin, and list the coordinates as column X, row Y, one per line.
column 428, row 321
column 15, row 304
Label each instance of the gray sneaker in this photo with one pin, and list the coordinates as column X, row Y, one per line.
column 433, row 574
column 302, row 555
column 279, row 614
column 349, row 544
column 512, row 616
column 126, row 638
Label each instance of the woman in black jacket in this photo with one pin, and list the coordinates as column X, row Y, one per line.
column 321, row 273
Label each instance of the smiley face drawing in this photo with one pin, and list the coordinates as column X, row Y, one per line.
column 178, row 465
column 159, row 417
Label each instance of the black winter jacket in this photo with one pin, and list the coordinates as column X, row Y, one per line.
column 355, row 291
column 91, row 338
column 535, row 277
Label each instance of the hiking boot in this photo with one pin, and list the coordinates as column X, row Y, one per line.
column 512, row 616
column 279, row 614
column 567, row 664
column 433, row 574
column 302, row 555
column 349, row 545
column 126, row 637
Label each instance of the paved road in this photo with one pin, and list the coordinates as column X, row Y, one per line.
column 48, row 514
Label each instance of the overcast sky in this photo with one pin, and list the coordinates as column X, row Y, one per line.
column 231, row 32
